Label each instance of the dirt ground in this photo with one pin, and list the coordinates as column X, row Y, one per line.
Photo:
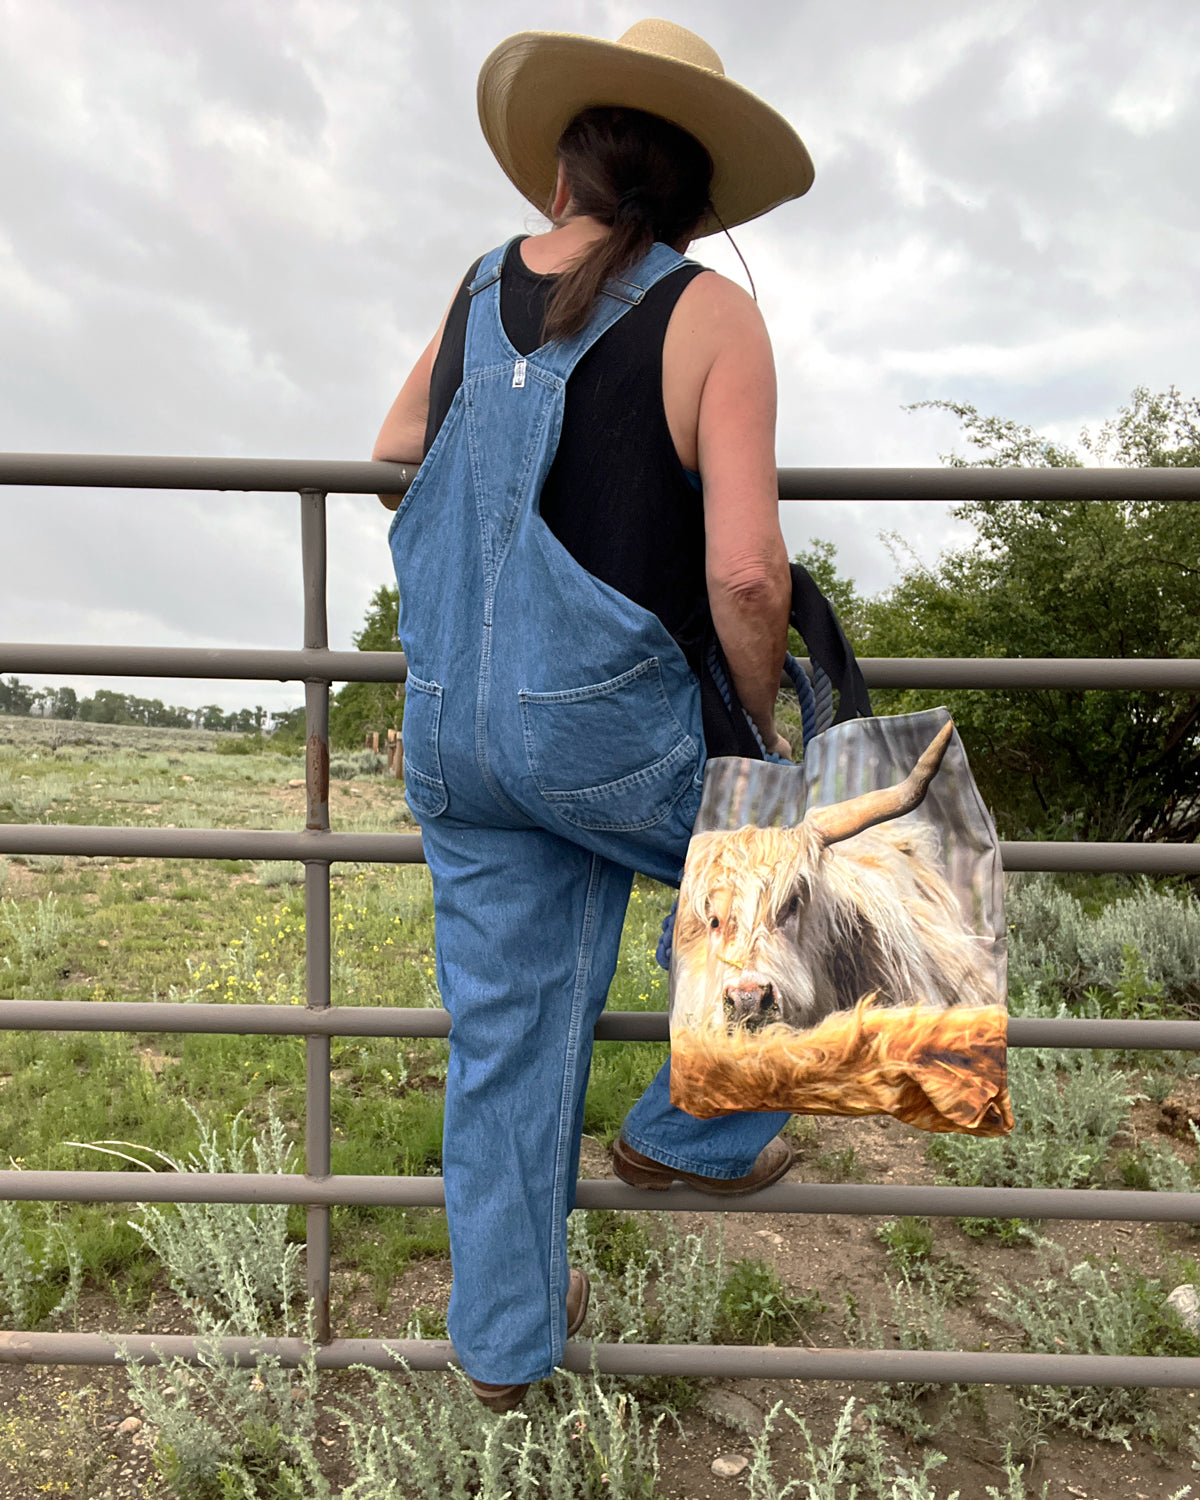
column 833, row 1255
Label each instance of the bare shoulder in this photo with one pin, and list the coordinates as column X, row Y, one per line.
column 712, row 304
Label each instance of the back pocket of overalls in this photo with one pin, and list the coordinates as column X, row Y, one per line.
column 423, row 784
column 611, row 756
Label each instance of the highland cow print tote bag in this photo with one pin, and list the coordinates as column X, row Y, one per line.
column 839, row 944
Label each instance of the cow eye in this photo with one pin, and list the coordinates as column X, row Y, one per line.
column 714, row 922
column 790, row 907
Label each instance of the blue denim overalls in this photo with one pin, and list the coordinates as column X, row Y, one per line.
column 552, row 746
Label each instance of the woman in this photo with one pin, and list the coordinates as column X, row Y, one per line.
column 594, row 524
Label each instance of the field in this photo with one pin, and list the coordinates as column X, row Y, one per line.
column 226, row 930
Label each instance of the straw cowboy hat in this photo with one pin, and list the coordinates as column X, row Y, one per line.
column 536, row 82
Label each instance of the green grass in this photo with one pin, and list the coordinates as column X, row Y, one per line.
column 233, row 931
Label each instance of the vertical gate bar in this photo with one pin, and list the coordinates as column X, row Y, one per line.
column 317, row 955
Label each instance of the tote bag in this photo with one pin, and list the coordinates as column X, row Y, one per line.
column 839, row 944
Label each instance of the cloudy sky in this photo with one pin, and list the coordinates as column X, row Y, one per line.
column 229, row 226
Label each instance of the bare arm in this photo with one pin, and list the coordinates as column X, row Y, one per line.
column 401, row 439
column 749, row 585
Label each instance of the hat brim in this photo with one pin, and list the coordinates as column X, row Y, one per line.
column 533, row 84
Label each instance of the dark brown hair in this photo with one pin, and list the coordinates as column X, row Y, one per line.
column 642, row 176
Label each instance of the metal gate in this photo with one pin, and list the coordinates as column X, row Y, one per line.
column 318, row 846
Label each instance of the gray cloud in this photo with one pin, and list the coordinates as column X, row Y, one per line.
column 231, row 227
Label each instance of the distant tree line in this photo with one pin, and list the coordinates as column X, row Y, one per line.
column 107, row 707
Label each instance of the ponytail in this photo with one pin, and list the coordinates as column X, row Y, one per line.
column 642, row 176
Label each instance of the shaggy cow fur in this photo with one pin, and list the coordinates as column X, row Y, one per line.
column 784, row 925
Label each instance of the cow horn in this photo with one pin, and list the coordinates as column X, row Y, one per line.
column 843, row 820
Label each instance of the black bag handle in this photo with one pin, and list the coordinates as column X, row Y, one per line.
column 818, row 626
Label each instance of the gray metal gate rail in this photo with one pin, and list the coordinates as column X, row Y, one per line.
column 318, row 846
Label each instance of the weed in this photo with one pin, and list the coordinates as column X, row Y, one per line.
column 1087, row 1309
column 909, row 1241
column 1159, row 1086
column 756, row 1307
column 29, row 1235
column 1009, row 1232
column 35, row 928
column 909, row 1244
column 273, row 872
column 63, row 1452
column 839, row 1165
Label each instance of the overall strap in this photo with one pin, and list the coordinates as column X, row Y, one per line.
column 619, row 295
column 487, row 344
column 485, row 341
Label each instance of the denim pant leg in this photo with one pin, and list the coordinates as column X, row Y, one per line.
column 528, row 930
column 725, row 1147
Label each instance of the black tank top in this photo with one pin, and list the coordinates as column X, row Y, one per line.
column 617, row 496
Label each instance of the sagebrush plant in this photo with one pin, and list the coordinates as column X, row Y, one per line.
column 1068, row 1107
column 1053, row 936
column 574, row 1438
column 919, row 1317
column 30, row 1295
column 35, row 929
column 656, row 1287
column 216, row 1254
column 226, row 1430
column 855, row 1464
column 1092, row 1309
column 1154, row 1167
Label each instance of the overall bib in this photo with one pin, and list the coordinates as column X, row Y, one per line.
column 552, row 746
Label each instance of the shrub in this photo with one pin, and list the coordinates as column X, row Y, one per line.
column 575, row 1436
column 1053, row 937
column 28, row 1287
column 365, row 763
column 1068, row 1107
column 654, row 1287
column 1086, row 1309
column 219, row 1257
column 756, row 1307
column 919, row 1315
column 224, row 1430
column 35, row 928
column 850, row 1464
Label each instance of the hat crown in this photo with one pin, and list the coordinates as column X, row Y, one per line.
column 666, row 39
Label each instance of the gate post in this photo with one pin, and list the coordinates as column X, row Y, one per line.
column 317, row 957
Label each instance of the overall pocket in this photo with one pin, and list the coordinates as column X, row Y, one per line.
column 423, row 784
column 611, row 756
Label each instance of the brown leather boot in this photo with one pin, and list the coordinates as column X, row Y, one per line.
column 502, row 1398
column 644, row 1172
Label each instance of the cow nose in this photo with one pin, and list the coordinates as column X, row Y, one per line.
column 750, row 1004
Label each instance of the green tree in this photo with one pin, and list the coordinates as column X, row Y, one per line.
column 106, row 707
column 360, row 707
column 16, row 697
column 1069, row 578
column 66, row 703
